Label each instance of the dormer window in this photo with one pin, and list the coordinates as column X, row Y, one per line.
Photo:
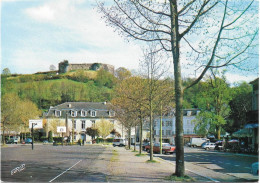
column 93, row 113
column 73, row 113
column 111, row 113
column 83, row 113
column 188, row 113
column 57, row 113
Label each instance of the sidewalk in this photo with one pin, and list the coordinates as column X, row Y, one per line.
column 126, row 167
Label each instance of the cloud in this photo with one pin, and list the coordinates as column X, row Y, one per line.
column 42, row 13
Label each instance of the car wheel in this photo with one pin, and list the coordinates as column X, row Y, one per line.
column 207, row 148
column 148, row 150
column 164, row 152
column 114, row 145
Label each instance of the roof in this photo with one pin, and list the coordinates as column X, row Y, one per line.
column 102, row 109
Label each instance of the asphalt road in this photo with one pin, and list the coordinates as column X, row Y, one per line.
column 218, row 166
column 47, row 163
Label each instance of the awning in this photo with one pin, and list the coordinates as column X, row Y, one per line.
column 245, row 132
column 253, row 125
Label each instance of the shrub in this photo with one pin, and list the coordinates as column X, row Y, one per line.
column 99, row 140
column 43, row 138
column 57, row 139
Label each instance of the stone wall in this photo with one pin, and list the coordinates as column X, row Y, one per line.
column 65, row 66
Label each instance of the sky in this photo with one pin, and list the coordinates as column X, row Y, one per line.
column 37, row 34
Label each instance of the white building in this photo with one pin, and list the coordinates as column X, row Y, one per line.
column 168, row 126
column 77, row 116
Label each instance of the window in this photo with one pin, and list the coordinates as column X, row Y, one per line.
column 163, row 123
column 168, row 132
column 57, row 113
column 188, row 113
column 74, row 124
column 83, row 113
column 73, row 113
column 93, row 123
column 168, row 123
column 162, row 132
column 93, row 113
column 75, row 136
column 83, row 125
column 188, row 131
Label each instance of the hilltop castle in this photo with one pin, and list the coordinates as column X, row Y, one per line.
column 65, row 66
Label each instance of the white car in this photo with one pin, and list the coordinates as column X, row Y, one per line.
column 209, row 145
column 118, row 142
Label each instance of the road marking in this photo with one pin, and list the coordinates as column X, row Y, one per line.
column 237, row 165
column 64, row 171
column 214, row 180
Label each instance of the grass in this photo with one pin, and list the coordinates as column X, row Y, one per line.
column 114, row 157
column 139, row 155
column 151, row 161
column 186, row 178
column 134, row 151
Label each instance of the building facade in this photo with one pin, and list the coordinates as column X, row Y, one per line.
column 168, row 126
column 78, row 116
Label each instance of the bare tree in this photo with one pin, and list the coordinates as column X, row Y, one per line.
column 208, row 33
column 52, row 68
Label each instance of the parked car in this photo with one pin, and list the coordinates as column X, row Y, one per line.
column 255, row 168
column 145, row 144
column 118, row 142
column 166, row 148
column 197, row 142
column 28, row 140
column 209, row 145
column 219, row 145
column 12, row 141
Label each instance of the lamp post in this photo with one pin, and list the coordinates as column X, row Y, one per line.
column 33, row 124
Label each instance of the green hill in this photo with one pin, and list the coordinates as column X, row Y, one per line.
column 49, row 89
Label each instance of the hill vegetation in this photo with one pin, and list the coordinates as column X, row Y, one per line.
column 50, row 89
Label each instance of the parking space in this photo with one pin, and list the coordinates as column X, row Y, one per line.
column 47, row 163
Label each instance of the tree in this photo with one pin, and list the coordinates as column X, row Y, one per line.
column 104, row 127
column 93, row 132
column 15, row 113
column 52, row 68
column 214, row 105
column 226, row 32
column 129, row 104
column 6, row 72
column 240, row 104
column 122, row 73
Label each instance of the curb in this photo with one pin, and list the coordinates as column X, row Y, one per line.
column 211, row 179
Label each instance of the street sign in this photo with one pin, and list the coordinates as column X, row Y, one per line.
column 37, row 123
column 61, row 129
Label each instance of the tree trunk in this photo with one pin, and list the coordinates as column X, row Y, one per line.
column 218, row 131
column 3, row 136
column 135, row 140
column 129, row 138
column 141, row 136
column 151, row 132
column 161, row 131
column 175, row 41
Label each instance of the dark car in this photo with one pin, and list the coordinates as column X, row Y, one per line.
column 28, row 141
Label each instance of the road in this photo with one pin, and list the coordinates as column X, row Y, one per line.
column 47, row 163
column 217, row 166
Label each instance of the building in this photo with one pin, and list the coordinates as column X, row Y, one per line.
column 65, row 66
column 168, row 126
column 77, row 116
